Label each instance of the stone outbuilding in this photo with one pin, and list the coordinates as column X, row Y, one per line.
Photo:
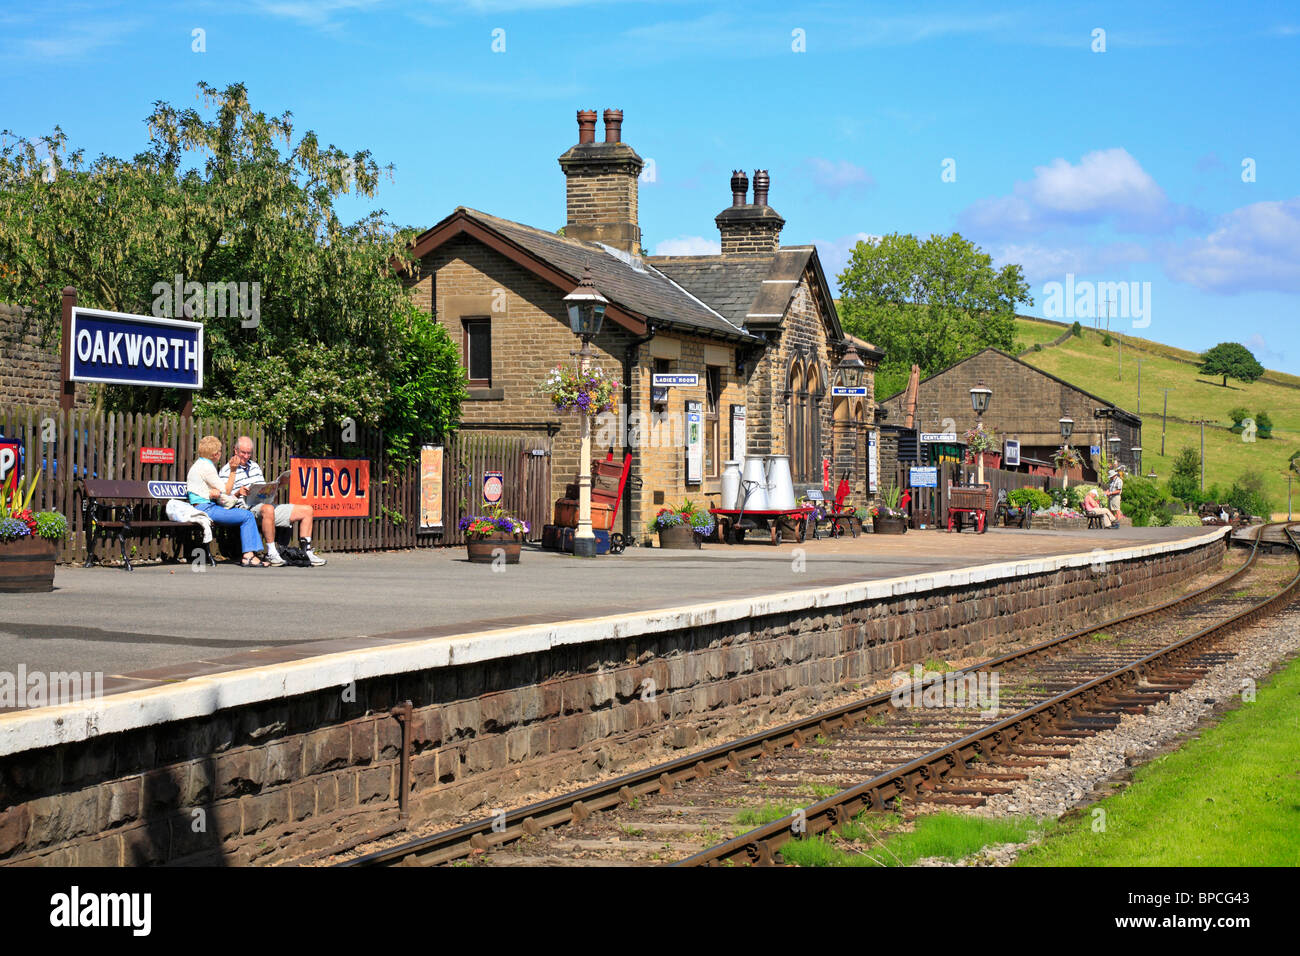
column 1027, row 405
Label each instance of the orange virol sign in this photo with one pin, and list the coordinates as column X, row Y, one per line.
column 334, row 487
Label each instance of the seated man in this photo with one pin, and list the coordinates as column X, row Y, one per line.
column 249, row 473
column 1091, row 506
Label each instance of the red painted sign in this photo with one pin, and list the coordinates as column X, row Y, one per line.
column 11, row 456
column 157, row 456
column 334, row 487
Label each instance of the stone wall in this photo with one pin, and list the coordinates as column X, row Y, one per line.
column 29, row 367
column 269, row 781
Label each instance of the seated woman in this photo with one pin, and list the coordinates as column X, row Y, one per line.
column 207, row 494
column 1091, row 506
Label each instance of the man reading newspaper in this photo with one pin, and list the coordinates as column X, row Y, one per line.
column 253, row 491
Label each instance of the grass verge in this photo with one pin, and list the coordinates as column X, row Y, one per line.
column 1231, row 797
column 950, row 836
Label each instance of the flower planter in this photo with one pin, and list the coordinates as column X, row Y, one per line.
column 888, row 524
column 483, row 550
column 679, row 537
column 27, row 564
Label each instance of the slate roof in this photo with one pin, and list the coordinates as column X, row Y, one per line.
column 634, row 283
column 728, row 286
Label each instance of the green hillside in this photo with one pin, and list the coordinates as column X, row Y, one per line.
column 1086, row 362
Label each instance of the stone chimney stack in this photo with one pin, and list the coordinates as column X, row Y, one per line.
column 749, row 228
column 601, row 185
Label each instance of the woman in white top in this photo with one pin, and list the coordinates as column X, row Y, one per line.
column 208, row 495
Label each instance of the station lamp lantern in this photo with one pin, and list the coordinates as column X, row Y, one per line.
column 979, row 399
column 1067, row 428
column 586, row 308
column 851, row 368
column 1136, row 452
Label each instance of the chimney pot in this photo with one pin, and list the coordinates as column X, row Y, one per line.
column 762, row 182
column 613, row 126
column 586, row 126
column 739, row 187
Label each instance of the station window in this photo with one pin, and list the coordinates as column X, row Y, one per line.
column 478, row 351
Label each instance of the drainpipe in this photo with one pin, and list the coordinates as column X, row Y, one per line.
column 403, row 714
column 630, row 357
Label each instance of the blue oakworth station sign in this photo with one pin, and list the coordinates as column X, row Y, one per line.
column 126, row 349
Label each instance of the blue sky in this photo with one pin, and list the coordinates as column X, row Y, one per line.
column 1117, row 166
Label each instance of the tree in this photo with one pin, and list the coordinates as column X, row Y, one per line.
column 931, row 302
column 1231, row 359
column 1185, row 482
column 233, row 198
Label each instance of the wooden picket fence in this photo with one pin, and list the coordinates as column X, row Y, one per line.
column 69, row 446
column 930, row 505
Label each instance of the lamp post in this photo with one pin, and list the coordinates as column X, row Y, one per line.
column 586, row 311
column 1136, row 452
column 979, row 402
column 1067, row 429
column 850, row 370
column 1113, row 441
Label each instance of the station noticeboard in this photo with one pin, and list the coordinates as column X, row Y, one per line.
column 334, row 487
column 1011, row 453
column 694, row 442
column 118, row 348
column 157, row 456
column 923, row 477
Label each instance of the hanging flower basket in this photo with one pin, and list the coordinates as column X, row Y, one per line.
column 590, row 392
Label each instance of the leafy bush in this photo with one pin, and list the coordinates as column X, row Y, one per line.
column 1238, row 415
column 1142, row 498
column 1185, row 521
column 1263, row 424
column 1076, row 330
column 1161, row 518
column 1034, row 497
column 1184, row 483
column 1038, row 346
column 1247, row 495
column 1106, row 340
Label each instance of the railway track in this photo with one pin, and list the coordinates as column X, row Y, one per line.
column 942, row 739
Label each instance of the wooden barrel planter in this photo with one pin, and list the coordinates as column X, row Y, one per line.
column 679, row 537
column 482, row 550
column 27, row 564
column 888, row 524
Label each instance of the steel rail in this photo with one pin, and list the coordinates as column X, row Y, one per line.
column 530, row 820
column 925, row 772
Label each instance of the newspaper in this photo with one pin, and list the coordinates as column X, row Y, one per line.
column 264, row 493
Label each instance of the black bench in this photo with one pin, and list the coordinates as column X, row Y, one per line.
column 1023, row 516
column 127, row 509
column 1095, row 521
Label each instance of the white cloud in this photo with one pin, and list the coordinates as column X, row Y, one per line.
column 1050, row 262
column 1106, row 185
column 689, row 246
column 837, row 176
column 1254, row 248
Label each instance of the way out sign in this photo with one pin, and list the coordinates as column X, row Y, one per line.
column 493, row 486
column 334, row 487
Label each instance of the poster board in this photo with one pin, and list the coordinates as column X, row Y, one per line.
column 334, row 487
column 694, row 443
column 431, row 488
column 873, row 462
column 738, row 447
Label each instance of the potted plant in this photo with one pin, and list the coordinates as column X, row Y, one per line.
column 685, row 526
column 979, row 440
column 27, row 542
column 886, row 518
column 490, row 531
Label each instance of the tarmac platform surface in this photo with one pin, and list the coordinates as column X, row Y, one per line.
column 161, row 623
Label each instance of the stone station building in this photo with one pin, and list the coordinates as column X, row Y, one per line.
column 756, row 324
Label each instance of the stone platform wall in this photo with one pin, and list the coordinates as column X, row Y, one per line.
column 269, row 781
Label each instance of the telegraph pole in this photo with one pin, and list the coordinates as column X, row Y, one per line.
column 1164, row 420
column 1139, row 411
